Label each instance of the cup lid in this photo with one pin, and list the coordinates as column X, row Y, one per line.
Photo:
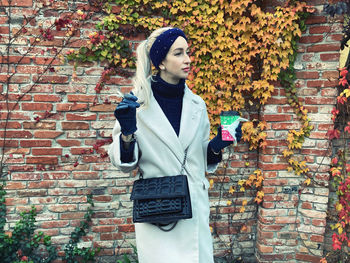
column 229, row 113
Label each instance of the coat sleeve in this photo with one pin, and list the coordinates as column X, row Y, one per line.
column 210, row 168
column 114, row 152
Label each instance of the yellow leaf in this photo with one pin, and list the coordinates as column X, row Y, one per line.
column 244, row 202
column 211, row 183
column 339, row 207
column 307, row 181
column 229, row 202
column 232, row 190
column 242, row 209
column 340, row 230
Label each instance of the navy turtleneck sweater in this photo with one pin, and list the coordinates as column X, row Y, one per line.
column 169, row 97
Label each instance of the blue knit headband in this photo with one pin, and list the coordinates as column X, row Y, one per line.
column 162, row 44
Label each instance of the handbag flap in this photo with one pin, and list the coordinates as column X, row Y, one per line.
column 160, row 187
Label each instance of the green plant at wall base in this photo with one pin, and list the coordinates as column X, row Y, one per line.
column 22, row 244
column 73, row 253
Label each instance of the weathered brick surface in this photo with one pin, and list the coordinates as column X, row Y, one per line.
column 290, row 225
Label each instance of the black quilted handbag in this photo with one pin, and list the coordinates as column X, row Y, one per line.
column 161, row 201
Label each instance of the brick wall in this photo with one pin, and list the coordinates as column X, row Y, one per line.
column 40, row 156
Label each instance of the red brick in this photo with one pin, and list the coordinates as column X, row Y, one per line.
column 75, row 126
column 317, row 238
column 307, row 75
column 103, row 229
column 35, row 143
column 276, row 181
column 69, row 143
column 319, row 222
column 320, row 100
column 126, row 228
column 71, row 107
column 85, row 175
column 103, row 107
column 40, row 125
column 37, row 106
column 310, row 39
column 285, row 220
column 47, row 151
column 55, row 224
column 330, row 57
column 24, row 3
column 46, row 61
column 308, row 258
column 9, row 143
column 324, row 48
column 103, row 198
column 306, row 205
column 47, row 134
column 42, row 184
column 119, row 81
column 264, row 249
column 103, row 215
column 56, row 176
column 42, row 160
column 15, row 59
column 62, row 207
column 10, row 125
column 319, row 29
column 83, row 117
column 316, row 20
column 73, row 215
column 16, row 134
column 336, row 37
column 15, row 185
column 81, row 98
column 276, row 117
column 53, row 98
column 51, row 79
column 111, row 236
column 272, row 257
column 308, row 57
column 16, row 201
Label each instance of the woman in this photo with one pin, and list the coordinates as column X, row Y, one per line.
column 154, row 138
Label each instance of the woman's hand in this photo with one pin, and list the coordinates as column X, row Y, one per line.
column 126, row 114
column 217, row 144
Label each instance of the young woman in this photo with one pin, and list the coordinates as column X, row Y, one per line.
column 154, row 137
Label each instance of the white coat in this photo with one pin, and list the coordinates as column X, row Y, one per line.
column 160, row 152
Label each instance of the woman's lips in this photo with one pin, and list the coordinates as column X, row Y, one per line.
column 186, row 69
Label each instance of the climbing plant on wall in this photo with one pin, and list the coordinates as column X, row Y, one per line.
column 254, row 49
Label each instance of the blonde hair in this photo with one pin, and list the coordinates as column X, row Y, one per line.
column 143, row 75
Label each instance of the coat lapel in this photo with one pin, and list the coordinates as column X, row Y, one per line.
column 153, row 118
column 190, row 118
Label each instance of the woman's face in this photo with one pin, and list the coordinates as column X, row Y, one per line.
column 176, row 64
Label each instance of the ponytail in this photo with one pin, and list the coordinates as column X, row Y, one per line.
column 142, row 78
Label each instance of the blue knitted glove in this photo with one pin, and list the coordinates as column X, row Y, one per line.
column 217, row 144
column 126, row 114
column 239, row 132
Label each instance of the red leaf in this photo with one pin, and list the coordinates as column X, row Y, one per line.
column 333, row 134
column 347, row 128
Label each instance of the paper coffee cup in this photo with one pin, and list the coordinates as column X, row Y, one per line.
column 227, row 118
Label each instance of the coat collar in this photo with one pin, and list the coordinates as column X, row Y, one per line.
column 153, row 118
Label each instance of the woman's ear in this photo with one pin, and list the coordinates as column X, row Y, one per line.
column 161, row 67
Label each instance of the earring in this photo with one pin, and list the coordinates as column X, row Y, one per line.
column 162, row 68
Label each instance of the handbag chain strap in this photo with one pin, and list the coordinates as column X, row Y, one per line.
column 184, row 162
